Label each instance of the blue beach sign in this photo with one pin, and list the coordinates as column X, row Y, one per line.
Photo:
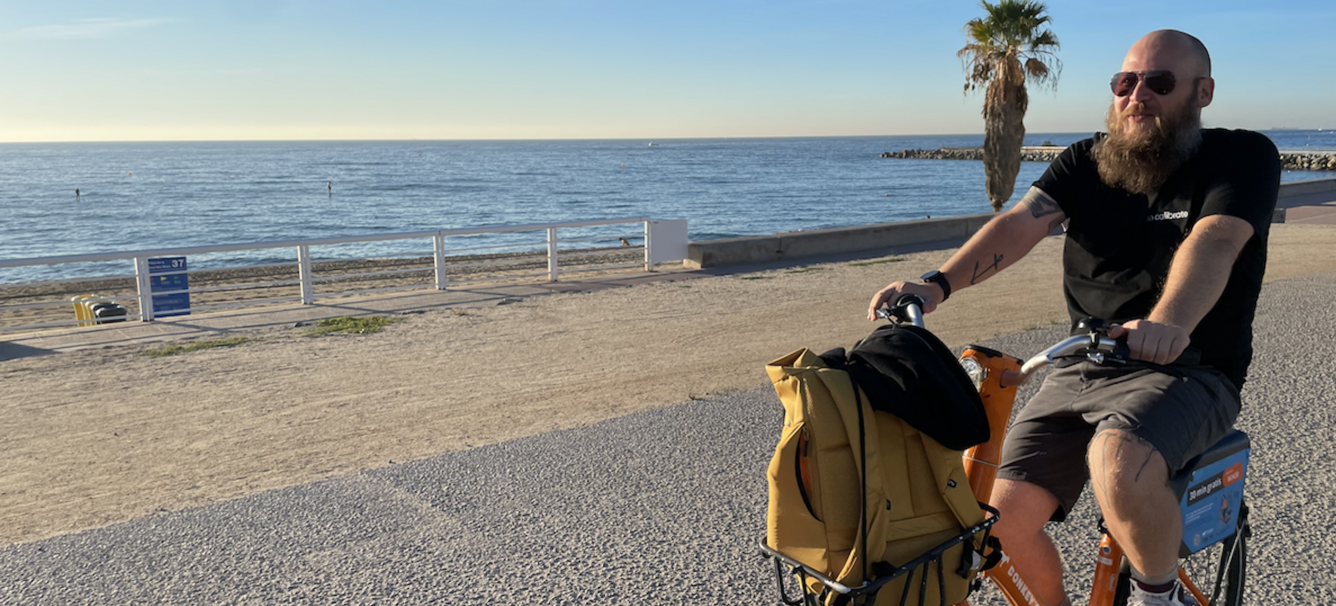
column 167, row 275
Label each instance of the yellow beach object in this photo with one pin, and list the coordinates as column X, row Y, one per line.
column 83, row 309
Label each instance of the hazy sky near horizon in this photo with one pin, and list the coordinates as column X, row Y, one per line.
column 535, row 69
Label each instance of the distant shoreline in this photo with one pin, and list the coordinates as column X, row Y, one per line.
column 1290, row 160
column 637, row 139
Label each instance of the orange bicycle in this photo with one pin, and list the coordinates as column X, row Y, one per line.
column 1213, row 553
column 1210, row 488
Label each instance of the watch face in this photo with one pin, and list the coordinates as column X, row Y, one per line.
column 938, row 278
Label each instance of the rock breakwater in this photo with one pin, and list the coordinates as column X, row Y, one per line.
column 1288, row 160
column 1028, row 154
column 1308, row 160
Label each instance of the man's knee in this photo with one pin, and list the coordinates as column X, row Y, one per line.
column 1024, row 507
column 1124, row 466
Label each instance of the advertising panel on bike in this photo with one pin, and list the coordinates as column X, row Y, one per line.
column 1210, row 502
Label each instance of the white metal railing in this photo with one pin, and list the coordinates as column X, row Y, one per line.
column 662, row 241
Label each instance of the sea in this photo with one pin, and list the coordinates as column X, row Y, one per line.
column 139, row 196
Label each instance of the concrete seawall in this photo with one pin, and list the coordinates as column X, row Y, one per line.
column 1304, row 193
column 818, row 242
column 842, row 240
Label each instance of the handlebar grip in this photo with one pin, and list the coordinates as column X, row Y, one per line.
column 905, row 300
column 1190, row 357
column 1120, row 349
column 907, row 309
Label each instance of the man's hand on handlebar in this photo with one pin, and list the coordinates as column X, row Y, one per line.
column 1152, row 341
column 930, row 293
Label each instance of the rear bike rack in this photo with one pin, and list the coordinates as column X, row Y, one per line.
column 883, row 571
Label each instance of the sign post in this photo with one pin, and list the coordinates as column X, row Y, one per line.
column 169, row 284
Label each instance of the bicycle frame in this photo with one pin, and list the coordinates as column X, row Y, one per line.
column 1000, row 378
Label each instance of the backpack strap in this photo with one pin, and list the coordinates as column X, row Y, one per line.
column 862, row 457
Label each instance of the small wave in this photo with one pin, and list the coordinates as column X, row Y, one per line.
column 716, row 235
column 464, row 188
column 212, row 262
column 407, row 187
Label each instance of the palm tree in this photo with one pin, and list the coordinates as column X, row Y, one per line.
column 1005, row 50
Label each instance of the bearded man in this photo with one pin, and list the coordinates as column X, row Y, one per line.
column 1166, row 238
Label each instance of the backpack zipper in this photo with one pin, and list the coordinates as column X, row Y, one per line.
column 802, row 467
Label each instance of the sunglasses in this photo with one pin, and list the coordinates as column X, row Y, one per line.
column 1160, row 81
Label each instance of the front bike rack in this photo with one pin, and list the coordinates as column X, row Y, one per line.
column 885, row 573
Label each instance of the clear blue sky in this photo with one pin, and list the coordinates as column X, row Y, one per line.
column 456, row 69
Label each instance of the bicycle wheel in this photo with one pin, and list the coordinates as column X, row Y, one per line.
column 1233, row 568
column 1218, row 570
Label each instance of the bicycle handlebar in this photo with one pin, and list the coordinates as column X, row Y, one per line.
column 1097, row 347
column 1091, row 343
column 1096, row 344
column 908, row 308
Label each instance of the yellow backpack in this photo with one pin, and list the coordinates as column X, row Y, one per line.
column 915, row 515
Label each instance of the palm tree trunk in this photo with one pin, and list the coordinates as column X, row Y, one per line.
column 1004, row 131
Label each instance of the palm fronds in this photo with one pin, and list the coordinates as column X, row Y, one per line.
column 1006, row 50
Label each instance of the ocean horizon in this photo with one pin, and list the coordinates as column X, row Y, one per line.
column 1295, row 138
column 148, row 195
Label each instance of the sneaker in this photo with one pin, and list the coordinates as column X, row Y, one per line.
column 1174, row 594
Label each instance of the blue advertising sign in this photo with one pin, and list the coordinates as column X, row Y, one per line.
column 168, row 275
column 1210, row 505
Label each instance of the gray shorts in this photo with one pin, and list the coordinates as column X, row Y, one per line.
column 1180, row 411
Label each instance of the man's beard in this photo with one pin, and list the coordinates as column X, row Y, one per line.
column 1141, row 160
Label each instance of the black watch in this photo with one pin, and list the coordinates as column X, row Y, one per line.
column 938, row 278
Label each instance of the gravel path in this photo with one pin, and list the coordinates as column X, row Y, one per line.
column 657, row 507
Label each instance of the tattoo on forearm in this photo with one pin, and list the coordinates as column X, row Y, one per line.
column 1041, row 205
column 979, row 273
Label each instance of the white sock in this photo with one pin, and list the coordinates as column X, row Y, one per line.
column 1155, row 584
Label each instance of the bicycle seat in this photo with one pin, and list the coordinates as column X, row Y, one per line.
column 1232, row 443
column 1210, row 492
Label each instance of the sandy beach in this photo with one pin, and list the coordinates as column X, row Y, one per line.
column 100, row 436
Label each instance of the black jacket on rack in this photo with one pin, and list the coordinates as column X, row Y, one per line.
column 906, row 371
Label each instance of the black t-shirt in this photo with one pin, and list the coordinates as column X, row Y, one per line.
column 1119, row 245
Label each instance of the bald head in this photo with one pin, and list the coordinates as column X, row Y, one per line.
column 1175, row 50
